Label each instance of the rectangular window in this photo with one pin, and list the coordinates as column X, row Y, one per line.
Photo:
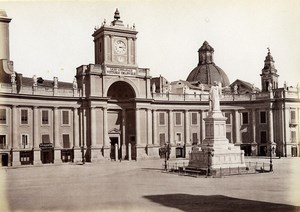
column 45, row 117
column 178, row 137
column 24, row 141
column 45, row 139
column 228, row 116
column 245, row 118
column 194, row 119
column 195, row 138
column 177, row 118
column 24, row 116
column 263, row 137
column 162, row 140
column 263, row 117
column 293, row 116
column 2, row 116
column 66, row 141
column 293, row 136
column 162, row 119
column 2, row 141
column 65, row 117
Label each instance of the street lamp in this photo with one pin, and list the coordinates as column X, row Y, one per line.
column 271, row 152
column 210, row 154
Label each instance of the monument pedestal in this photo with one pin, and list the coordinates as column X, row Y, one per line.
column 216, row 152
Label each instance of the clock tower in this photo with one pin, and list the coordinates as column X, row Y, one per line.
column 115, row 44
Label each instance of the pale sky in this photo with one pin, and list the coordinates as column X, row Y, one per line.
column 52, row 38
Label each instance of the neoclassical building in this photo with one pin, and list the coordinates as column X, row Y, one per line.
column 117, row 110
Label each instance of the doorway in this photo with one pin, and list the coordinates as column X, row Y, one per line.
column 263, row 151
column 113, row 154
column 47, row 155
column 294, row 151
column 4, row 159
column 247, row 149
column 180, row 152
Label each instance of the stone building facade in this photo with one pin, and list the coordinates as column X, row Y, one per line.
column 116, row 110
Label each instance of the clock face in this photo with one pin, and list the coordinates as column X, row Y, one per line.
column 120, row 47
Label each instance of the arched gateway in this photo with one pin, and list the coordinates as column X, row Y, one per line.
column 121, row 121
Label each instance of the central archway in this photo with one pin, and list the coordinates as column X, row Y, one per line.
column 121, row 120
column 121, row 90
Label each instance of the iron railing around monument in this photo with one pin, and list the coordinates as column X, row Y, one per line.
column 182, row 168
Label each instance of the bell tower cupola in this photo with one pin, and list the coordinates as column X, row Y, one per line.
column 115, row 44
column 269, row 76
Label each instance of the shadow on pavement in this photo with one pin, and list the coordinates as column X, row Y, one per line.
column 191, row 203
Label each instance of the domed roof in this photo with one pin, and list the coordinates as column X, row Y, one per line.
column 207, row 72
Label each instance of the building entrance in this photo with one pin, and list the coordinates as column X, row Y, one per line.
column 47, row 153
column 180, row 152
column 4, row 159
column 294, row 151
column 263, row 151
column 247, row 149
column 114, row 148
column 47, row 156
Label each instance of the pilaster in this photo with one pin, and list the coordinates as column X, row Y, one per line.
column 237, row 125
column 187, row 128
column 123, row 134
column 154, row 128
column 15, row 127
column 171, row 129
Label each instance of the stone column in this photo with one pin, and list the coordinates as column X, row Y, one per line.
column 171, row 128
column 202, row 122
column 271, row 132
column 154, row 128
column 116, row 152
column 237, row 127
column 106, row 147
column 15, row 127
column 105, row 128
column 123, row 133
column 76, row 127
column 254, row 150
column 171, row 135
column 187, row 127
column 253, row 125
column 15, row 139
column 36, row 141
column 57, row 146
column 188, row 145
column 149, row 127
column 139, row 151
column 93, row 127
column 129, row 151
column 76, row 147
column 137, row 126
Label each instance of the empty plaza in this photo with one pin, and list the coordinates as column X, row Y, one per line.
column 142, row 186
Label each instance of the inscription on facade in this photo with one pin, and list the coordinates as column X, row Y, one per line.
column 121, row 71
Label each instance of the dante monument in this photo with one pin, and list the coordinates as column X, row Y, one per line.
column 215, row 151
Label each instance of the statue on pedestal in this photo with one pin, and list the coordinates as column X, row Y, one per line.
column 214, row 97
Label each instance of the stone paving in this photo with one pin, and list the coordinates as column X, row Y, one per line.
column 141, row 186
